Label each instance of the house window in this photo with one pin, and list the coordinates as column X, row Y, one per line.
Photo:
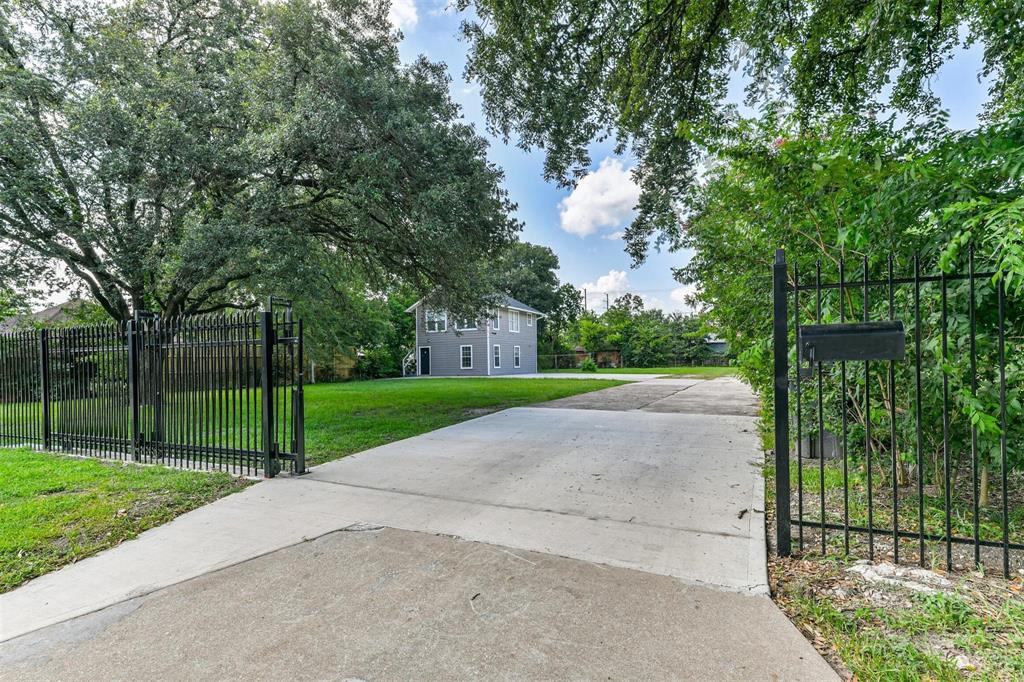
column 465, row 324
column 436, row 321
column 513, row 321
column 497, row 356
column 496, row 320
column 529, row 319
column 515, row 356
column 466, row 354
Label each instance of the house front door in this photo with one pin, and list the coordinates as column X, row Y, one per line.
column 424, row 361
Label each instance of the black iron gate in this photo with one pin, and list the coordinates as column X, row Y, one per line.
column 898, row 395
column 217, row 391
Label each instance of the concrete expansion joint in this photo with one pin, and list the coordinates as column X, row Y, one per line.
column 466, row 500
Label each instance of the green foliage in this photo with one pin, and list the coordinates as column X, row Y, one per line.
column 860, row 192
column 177, row 156
column 588, row 365
column 11, row 304
column 527, row 272
column 646, row 338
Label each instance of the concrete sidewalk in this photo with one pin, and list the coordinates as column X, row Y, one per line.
column 657, row 495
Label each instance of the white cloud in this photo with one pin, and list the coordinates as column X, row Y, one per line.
column 603, row 198
column 679, row 295
column 402, row 14
column 614, row 236
column 653, row 302
column 442, row 7
column 615, row 282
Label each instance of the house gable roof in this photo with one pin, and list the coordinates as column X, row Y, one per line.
column 509, row 303
column 55, row 314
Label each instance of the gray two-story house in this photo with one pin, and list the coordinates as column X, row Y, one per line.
column 506, row 343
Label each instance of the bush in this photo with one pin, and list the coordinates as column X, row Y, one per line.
column 588, row 365
column 377, row 363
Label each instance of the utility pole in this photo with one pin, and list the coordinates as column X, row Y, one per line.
column 606, row 304
column 584, row 300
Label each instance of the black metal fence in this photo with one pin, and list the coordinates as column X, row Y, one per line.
column 917, row 455
column 217, row 391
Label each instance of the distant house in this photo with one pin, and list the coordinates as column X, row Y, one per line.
column 717, row 346
column 505, row 343
column 48, row 317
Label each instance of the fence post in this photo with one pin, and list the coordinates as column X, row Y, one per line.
column 267, row 393
column 132, row 340
column 299, row 412
column 44, row 377
column 781, row 350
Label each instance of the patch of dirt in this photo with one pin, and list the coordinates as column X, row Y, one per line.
column 480, row 411
column 849, row 591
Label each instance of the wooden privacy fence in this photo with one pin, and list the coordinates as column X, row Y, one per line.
column 217, row 391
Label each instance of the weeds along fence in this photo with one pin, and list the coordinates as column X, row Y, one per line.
column 216, row 391
column 898, row 418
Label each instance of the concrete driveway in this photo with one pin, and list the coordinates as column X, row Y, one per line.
column 620, row 536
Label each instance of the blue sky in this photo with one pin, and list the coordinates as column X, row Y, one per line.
column 581, row 224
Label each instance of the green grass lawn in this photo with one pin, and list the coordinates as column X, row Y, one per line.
column 346, row 418
column 55, row 510
column 707, row 372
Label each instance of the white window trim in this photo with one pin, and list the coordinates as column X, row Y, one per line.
column 443, row 318
column 529, row 319
column 517, row 357
column 463, row 357
column 513, row 315
column 496, row 321
column 466, row 329
column 496, row 357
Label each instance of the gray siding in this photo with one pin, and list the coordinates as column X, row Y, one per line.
column 526, row 339
column 445, row 357
column 445, row 346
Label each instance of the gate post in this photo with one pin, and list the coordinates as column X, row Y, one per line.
column 299, row 412
column 781, row 351
column 133, row 385
column 267, row 393
column 44, row 377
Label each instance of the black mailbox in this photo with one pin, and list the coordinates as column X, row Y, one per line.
column 854, row 341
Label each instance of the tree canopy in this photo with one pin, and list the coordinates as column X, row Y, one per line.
column 655, row 75
column 528, row 272
column 645, row 337
column 175, row 155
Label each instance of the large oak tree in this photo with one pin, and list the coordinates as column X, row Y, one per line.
column 175, row 154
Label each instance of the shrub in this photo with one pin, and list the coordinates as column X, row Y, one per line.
column 588, row 365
